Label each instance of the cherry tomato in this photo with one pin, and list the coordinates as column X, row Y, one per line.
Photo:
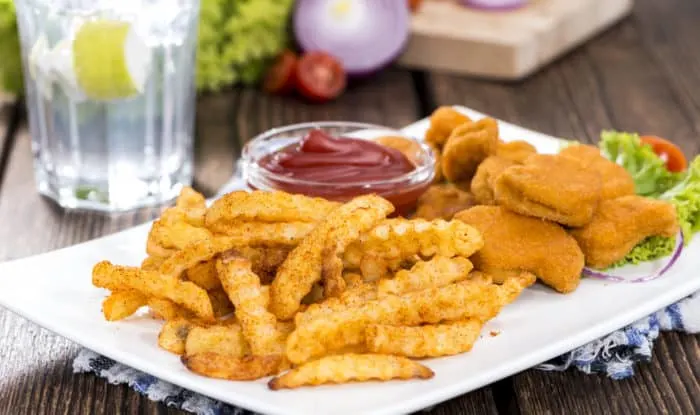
column 669, row 152
column 320, row 77
column 280, row 78
column 414, row 5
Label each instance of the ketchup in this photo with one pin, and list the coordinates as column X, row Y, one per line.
column 324, row 158
column 342, row 168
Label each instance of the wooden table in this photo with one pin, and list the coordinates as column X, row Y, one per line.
column 643, row 75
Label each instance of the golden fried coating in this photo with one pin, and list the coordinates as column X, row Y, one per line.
column 484, row 180
column 437, row 272
column 551, row 187
column 515, row 151
column 442, row 201
column 439, row 177
column 173, row 335
column 620, row 224
column 616, row 181
column 442, row 122
column 304, row 265
column 164, row 309
column 515, row 243
column 226, row 339
column 468, row 145
column 424, row 341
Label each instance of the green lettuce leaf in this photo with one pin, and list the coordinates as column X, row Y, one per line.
column 650, row 249
column 685, row 196
column 651, row 178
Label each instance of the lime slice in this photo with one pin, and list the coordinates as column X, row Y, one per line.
column 110, row 59
column 62, row 70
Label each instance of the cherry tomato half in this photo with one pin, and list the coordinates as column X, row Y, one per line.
column 320, row 77
column 280, row 78
column 669, row 152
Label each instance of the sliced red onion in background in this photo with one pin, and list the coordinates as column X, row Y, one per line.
column 494, row 4
column 365, row 35
column 677, row 249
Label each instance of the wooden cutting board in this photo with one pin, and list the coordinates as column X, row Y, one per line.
column 507, row 45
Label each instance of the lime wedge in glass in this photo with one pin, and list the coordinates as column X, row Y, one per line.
column 110, row 60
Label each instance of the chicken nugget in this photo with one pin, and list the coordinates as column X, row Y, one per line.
column 468, row 145
column 515, row 243
column 516, row 151
column 485, row 178
column 615, row 180
column 552, row 187
column 620, row 224
column 442, row 122
column 442, row 201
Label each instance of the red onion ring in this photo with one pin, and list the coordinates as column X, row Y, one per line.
column 494, row 4
column 365, row 35
column 677, row 249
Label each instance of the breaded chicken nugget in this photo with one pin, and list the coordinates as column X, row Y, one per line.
column 516, row 151
column 468, row 145
column 442, row 121
column 615, row 180
column 515, row 243
column 485, row 178
column 620, row 224
column 552, row 187
column 442, row 201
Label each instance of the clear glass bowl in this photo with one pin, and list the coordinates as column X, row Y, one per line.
column 403, row 191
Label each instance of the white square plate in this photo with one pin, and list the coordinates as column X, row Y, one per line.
column 55, row 291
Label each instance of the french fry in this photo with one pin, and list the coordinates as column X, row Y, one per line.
column 152, row 263
column 262, row 206
column 437, row 272
column 302, row 268
column 221, row 366
column 154, row 284
column 328, row 333
column 204, row 274
column 176, row 235
column 423, row 341
column 351, row 367
column 167, row 310
column 121, row 304
column 173, row 335
column 224, row 339
column 266, row 234
column 244, row 290
column 354, row 297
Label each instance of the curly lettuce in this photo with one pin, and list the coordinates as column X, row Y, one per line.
column 652, row 179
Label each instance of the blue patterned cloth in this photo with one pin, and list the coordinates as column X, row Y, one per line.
column 615, row 355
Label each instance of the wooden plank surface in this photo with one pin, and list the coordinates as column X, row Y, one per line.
column 447, row 36
column 635, row 77
column 36, row 368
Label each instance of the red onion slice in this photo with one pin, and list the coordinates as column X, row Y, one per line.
column 365, row 35
column 677, row 249
column 494, row 4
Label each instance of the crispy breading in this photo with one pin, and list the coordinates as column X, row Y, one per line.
column 303, row 267
column 351, row 367
column 620, row 224
column 468, row 145
column 263, row 206
column 515, row 151
column 424, row 341
column 616, row 181
column 484, row 180
column 515, row 243
column 442, row 122
column 551, row 187
column 442, row 201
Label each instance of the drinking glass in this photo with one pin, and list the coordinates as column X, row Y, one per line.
column 110, row 96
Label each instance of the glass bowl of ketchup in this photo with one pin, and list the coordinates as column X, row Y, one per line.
column 340, row 160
